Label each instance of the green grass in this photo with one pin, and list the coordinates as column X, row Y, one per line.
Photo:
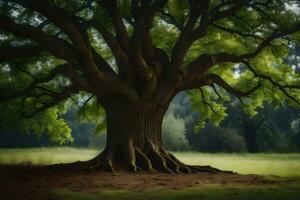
column 284, row 165
column 45, row 155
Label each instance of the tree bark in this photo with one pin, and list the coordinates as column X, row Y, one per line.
column 134, row 142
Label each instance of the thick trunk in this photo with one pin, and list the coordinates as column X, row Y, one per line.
column 134, row 142
column 130, row 133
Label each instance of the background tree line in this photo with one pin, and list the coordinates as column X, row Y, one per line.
column 271, row 130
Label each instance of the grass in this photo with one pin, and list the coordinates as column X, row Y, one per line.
column 279, row 165
column 284, row 165
column 45, row 155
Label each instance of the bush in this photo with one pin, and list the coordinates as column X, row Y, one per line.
column 217, row 139
column 173, row 134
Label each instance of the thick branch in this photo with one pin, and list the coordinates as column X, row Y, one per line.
column 73, row 28
column 59, row 17
column 204, row 62
column 212, row 79
column 117, row 18
column 149, row 10
column 56, row 46
column 185, row 40
column 120, row 55
column 225, row 57
column 29, row 90
column 142, row 49
column 12, row 53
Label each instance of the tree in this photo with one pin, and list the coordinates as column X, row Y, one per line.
column 218, row 139
column 173, row 136
column 134, row 56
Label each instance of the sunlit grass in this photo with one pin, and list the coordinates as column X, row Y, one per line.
column 264, row 164
column 45, row 155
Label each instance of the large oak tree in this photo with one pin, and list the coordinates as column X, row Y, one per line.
column 133, row 57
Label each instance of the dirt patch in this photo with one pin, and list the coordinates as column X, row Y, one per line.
column 35, row 182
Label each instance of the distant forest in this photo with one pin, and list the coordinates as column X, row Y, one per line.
column 271, row 130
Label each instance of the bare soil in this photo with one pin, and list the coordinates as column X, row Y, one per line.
column 37, row 182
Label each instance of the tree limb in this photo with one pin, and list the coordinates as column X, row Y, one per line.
column 204, row 62
column 58, row 98
column 12, row 53
column 184, row 41
column 282, row 88
column 238, row 4
column 120, row 55
column 56, row 46
column 29, row 90
column 221, row 82
column 117, row 18
column 59, row 17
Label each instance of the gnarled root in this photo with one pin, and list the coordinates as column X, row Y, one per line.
column 153, row 158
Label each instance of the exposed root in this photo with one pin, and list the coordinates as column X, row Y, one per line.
column 154, row 158
column 157, row 159
column 142, row 160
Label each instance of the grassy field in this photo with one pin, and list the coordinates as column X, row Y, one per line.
column 284, row 165
column 284, row 168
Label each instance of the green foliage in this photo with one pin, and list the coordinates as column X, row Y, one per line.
column 93, row 112
column 164, row 36
column 215, row 139
column 173, row 133
column 209, row 109
column 49, row 122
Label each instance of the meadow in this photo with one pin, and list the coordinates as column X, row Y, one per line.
column 284, row 169
column 283, row 165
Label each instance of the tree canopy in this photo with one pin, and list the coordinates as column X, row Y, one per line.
column 56, row 53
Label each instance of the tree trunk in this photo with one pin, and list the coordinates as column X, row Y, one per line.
column 134, row 142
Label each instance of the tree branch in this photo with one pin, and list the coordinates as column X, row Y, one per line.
column 205, row 103
column 117, row 18
column 237, row 32
column 29, row 90
column 238, row 4
column 59, row 17
column 185, row 41
column 12, row 53
column 282, row 88
column 204, row 62
column 56, row 46
column 120, row 55
column 58, row 98
column 221, row 82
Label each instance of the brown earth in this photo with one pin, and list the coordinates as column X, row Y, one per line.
column 35, row 182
